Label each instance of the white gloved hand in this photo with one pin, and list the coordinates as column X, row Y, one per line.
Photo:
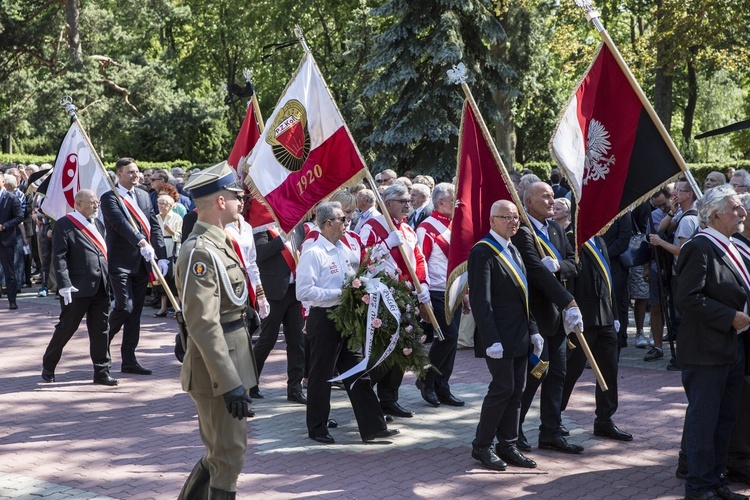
column 394, row 239
column 67, row 294
column 424, row 295
column 147, row 252
column 538, row 342
column 163, row 265
column 552, row 264
column 572, row 319
column 617, row 326
column 264, row 308
column 495, row 351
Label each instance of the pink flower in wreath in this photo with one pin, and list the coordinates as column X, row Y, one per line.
column 408, row 308
column 366, row 298
column 407, row 351
column 371, row 268
column 377, row 323
column 393, row 290
column 409, row 329
column 356, row 283
column 409, row 285
column 423, row 339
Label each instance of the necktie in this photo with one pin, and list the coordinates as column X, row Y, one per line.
column 516, row 257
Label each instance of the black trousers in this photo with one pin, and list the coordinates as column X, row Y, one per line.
column 287, row 311
column 500, row 410
column 552, row 387
column 7, row 260
column 328, row 351
column 443, row 353
column 388, row 381
column 603, row 342
column 96, row 310
column 129, row 291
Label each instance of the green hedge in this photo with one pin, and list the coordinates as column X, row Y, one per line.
column 142, row 165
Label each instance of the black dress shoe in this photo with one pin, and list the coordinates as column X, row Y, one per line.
column 564, row 431
column 323, row 438
column 513, row 457
column 522, row 443
column 560, row 444
column 450, row 400
column 385, row 433
column 488, row 458
column 13, row 306
column 161, row 314
column 48, row 376
column 610, row 430
column 332, row 424
column 296, row 397
column 728, row 494
column 254, row 393
column 396, row 410
column 106, row 380
column 136, row 369
column 428, row 394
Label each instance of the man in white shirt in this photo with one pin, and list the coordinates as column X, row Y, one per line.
column 320, row 277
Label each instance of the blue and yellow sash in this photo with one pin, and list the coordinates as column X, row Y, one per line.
column 512, row 266
column 593, row 248
column 549, row 248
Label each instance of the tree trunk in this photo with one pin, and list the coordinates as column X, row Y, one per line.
column 505, row 130
column 663, row 81
column 72, row 12
column 687, row 128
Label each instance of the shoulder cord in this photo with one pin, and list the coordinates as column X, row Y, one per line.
column 238, row 301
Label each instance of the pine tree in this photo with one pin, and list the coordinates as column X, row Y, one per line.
column 424, row 39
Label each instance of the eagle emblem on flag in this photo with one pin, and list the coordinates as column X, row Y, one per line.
column 289, row 137
column 597, row 164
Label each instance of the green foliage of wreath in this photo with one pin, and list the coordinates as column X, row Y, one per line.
column 351, row 319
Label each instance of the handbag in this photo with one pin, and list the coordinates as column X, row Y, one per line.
column 638, row 251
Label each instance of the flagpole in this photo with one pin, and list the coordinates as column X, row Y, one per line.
column 417, row 285
column 67, row 103
column 592, row 15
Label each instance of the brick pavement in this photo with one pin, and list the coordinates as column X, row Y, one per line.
column 72, row 439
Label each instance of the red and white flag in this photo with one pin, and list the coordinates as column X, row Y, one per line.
column 305, row 152
column 481, row 181
column 76, row 168
column 246, row 139
column 609, row 147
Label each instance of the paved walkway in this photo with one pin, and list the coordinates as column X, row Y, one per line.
column 72, row 439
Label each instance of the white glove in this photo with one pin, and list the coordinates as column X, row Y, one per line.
column 163, row 265
column 617, row 326
column 264, row 308
column 572, row 319
column 148, row 253
column 67, row 294
column 394, row 239
column 495, row 351
column 424, row 295
column 538, row 342
column 552, row 264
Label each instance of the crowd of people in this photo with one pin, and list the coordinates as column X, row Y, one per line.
column 527, row 293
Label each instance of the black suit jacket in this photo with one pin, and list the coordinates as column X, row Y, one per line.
column 591, row 290
column 497, row 305
column 708, row 293
column 274, row 271
column 414, row 222
column 122, row 240
column 11, row 215
column 77, row 260
column 547, row 294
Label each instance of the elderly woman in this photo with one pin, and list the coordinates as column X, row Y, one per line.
column 171, row 227
column 562, row 212
column 171, row 191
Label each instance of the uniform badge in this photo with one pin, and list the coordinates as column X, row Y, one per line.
column 289, row 138
column 199, row 269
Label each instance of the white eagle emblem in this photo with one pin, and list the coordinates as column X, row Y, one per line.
column 597, row 163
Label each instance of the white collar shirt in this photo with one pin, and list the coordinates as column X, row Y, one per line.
column 321, row 271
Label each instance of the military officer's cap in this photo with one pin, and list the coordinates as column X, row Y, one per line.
column 212, row 180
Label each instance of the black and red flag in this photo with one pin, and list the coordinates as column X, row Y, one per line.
column 609, row 146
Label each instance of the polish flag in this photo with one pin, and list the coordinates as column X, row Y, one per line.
column 246, row 139
column 609, row 147
column 76, row 168
column 305, row 152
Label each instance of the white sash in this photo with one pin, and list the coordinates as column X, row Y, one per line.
column 91, row 228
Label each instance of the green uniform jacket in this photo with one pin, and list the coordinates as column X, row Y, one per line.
column 216, row 359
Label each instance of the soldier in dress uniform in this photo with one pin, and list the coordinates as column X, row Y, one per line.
column 219, row 367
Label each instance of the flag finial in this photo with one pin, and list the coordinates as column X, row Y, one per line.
column 67, row 103
column 589, row 8
column 458, row 74
column 248, row 75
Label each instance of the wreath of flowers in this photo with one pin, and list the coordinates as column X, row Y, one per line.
column 351, row 318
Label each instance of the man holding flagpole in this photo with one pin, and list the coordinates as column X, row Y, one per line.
column 132, row 249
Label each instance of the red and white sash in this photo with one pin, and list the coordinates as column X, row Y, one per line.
column 135, row 211
column 287, row 252
column 730, row 250
column 89, row 230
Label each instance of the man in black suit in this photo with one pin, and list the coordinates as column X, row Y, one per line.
column 712, row 293
column 421, row 204
column 131, row 251
column 593, row 290
column 79, row 257
column 551, row 305
column 11, row 216
column 277, row 267
column 498, row 293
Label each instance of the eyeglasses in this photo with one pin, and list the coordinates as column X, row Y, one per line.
column 737, row 187
column 683, row 190
column 340, row 219
column 403, row 202
column 514, row 218
column 95, row 202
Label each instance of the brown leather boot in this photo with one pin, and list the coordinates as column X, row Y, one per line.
column 196, row 486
